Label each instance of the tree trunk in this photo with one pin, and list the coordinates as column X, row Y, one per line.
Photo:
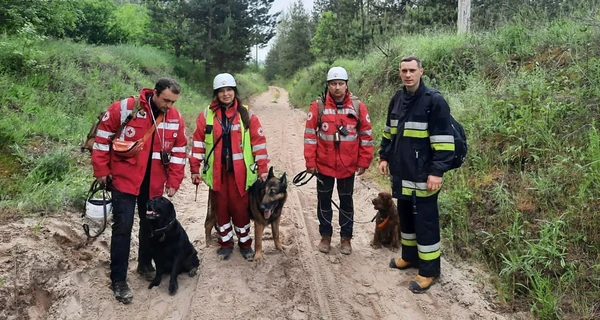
column 464, row 16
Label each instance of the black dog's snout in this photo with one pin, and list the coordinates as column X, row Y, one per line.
column 263, row 206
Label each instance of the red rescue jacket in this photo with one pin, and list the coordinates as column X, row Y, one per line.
column 257, row 140
column 128, row 173
column 354, row 150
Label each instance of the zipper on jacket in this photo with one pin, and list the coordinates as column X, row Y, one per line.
column 414, row 192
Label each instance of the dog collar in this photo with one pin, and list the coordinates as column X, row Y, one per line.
column 162, row 230
column 384, row 223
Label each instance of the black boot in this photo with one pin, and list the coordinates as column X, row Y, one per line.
column 122, row 292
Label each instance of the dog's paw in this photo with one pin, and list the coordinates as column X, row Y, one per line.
column 376, row 245
column 173, row 286
column 193, row 272
column 259, row 257
column 153, row 284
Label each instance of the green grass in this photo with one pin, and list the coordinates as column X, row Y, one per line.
column 526, row 200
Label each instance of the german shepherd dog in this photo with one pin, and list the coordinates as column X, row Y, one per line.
column 172, row 250
column 387, row 223
column 266, row 199
column 266, row 202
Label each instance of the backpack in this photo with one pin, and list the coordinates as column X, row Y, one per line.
column 355, row 104
column 460, row 144
column 460, row 138
column 88, row 144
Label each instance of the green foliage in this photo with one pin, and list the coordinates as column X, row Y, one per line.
column 250, row 83
column 47, row 18
column 327, row 33
column 131, row 23
column 291, row 50
column 95, row 24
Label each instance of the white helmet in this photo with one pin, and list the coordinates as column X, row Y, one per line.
column 337, row 73
column 223, row 80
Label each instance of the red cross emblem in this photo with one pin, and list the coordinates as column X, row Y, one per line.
column 130, row 132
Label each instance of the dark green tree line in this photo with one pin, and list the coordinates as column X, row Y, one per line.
column 219, row 33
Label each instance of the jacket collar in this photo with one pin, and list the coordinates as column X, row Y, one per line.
column 420, row 91
column 329, row 99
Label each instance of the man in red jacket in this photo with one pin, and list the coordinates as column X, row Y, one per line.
column 157, row 168
column 338, row 142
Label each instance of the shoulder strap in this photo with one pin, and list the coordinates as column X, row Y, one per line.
column 356, row 105
column 159, row 119
column 321, row 105
column 137, row 108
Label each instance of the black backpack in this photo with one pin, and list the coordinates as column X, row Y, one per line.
column 460, row 144
column 460, row 139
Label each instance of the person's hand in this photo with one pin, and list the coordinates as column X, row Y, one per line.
column 383, row 167
column 360, row 171
column 104, row 180
column 434, row 182
column 263, row 176
column 171, row 192
column 311, row 170
column 196, row 178
column 101, row 180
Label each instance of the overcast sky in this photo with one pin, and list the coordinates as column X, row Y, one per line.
column 279, row 5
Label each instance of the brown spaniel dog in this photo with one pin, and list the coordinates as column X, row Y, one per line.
column 387, row 227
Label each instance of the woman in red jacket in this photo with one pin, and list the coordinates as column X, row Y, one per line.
column 229, row 153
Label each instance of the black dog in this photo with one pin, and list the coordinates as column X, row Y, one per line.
column 172, row 250
column 266, row 202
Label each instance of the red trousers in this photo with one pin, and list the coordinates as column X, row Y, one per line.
column 231, row 207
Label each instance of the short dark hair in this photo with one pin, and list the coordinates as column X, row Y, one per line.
column 167, row 83
column 412, row 58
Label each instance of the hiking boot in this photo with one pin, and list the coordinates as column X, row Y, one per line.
column 224, row 253
column 345, row 246
column 121, row 291
column 248, row 254
column 421, row 284
column 146, row 271
column 325, row 244
column 399, row 263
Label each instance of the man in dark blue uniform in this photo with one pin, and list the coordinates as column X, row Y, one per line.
column 418, row 147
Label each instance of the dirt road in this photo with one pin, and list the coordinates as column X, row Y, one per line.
column 45, row 273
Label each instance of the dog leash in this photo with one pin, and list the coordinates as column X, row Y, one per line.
column 300, row 180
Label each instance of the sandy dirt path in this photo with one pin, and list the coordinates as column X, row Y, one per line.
column 46, row 273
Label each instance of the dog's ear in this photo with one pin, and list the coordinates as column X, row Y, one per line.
column 283, row 181
column 271, row 175
column 389, row 199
